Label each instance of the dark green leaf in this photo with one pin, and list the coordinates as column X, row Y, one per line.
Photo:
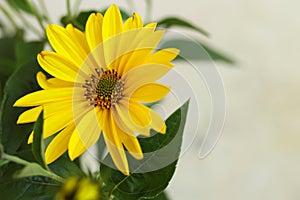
column 65, row 168
column 38, row 142
column 21, row 4
column 26, row 51
column 162, row 196
column 174, row 21
column 22, row 82
column 41, row 188
column 165, row 149
column 194, row 50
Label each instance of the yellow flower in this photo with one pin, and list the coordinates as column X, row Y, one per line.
column 100, row 79
column 78, row 189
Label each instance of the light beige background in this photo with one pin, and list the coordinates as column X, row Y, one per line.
column 258, row 156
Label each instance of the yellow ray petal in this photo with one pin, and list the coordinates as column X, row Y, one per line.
column 57, row 107
column 164, row 56
column 133, row 80
column 57, row 66
column 30, row 138
column 150, row 92
column 140, row 114
column 52, row 82
column 133, row 22
column 151, row 25
column 142, row 43
column 157, row 123
column 55, row 123
column 94, row 30
column 30, row 115
column 59, row 144
column 114, row 145
column 112, row 22
column 44, row 96
column 64, row 43
column 124, row 119
column 130, row 142
column 86, row 134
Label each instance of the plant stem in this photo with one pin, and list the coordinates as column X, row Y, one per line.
column 69, row 10
column 25, row 22
column 36, row 14
column 20, row 161
column 15, row 159
column 9, row 17
column 148, row 10
column 45, row 10
column 76, row 6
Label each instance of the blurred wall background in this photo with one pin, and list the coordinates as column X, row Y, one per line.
column 258, row 156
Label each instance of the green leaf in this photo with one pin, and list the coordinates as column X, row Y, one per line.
column 174, row 21
column 27, row 51
column 21, row 4
column 22, row 82
column 162, row 196
column 41, row 188
column 194, row 50
column 38, row 142
column 149, row 184
column 65, row 168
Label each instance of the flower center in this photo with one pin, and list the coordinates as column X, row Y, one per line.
column 109, row 89
column 104, row 88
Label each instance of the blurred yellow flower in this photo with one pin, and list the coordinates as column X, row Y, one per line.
column 78, row 189
column 100, row 79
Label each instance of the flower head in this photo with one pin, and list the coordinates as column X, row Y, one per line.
column 78, row 189
column 100, row 80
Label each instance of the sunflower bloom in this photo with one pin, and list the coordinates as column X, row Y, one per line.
column 100, row 80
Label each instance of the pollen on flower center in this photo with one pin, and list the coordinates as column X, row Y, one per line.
column 109, row 89
column 104, row 89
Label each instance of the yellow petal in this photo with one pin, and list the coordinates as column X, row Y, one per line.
column 133, row 22
column 55, row 123
column 112, row 22
column 164, row 56
column 94, row 30
column 30, row 115
column 66, row 42
column 52, row 82
column 57, row 66
column 144, row 41
column 157, row 123
column 44, row 96
column 150, row 92
column 57, row 107
column 30, row 138
column 86, row 134
column 125, row 122
column 59, row 144
column 114, row 145
column 130, row 142
column 151, row 25
column 149, row 72
column 140, row 114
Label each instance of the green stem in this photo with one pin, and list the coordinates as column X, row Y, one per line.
column 15, row 159
column 76, row 6
column 27, row 24
column 45, row 10
column 9, row 17
column 20, row 161
column 148, row 10
column 36, row 14
column 69, row 10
